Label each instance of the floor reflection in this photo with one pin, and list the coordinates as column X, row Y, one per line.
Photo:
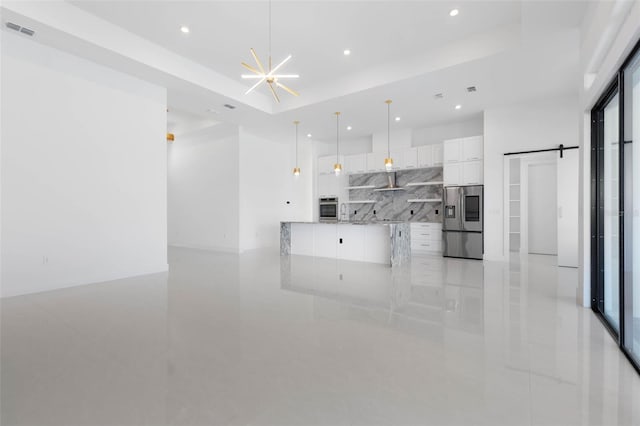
column 428, row 292
column 260, row 339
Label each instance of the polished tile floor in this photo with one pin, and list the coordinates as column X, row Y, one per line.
column 257, row 339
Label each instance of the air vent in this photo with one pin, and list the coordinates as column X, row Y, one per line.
column 471, row 89
column 229, row 106
column 438, row 96
column 17, row 27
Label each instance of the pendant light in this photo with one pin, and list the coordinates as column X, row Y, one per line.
column 337, row 168
column 388, row 162
column 296, row 169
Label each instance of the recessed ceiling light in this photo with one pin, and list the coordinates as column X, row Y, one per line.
column 184, row 29
column 397, row 118
column 454, row 12
column 308, row 135
column 458, row 106
column 347, row 52
column 348, row 127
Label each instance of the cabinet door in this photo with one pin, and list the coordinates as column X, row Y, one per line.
column 437, row 154
column 328, row 185
column 355, row 163
column 302, row 239
column 324, row 240
column 375, row 161
column 350, row 242
column 472, row 148
column 425, row 156
column 451, row 174
column 452, row 151
column 410, row 158
column 472, row 173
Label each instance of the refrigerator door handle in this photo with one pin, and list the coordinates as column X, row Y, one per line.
column 462, row 207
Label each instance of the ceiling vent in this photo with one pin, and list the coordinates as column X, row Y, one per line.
column 17, row 27
column 471, row 89
column 229, row 106
column 438, row 96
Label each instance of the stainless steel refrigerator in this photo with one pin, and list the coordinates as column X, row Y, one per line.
column 463, row 222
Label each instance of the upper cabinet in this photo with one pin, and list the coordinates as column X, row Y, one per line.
column 430, row 155
column 463, row 149
column 452, row 151
column 463, row 163
column 375, row 161
column 355, row 163
column 472, row 148
column 438, row 154
column 410, row 158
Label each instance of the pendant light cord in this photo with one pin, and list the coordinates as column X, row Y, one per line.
column 296, row 143
column 389, row 129
column 269, row 35
column 337, row 137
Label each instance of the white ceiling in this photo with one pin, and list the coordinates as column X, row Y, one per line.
column 408, row 51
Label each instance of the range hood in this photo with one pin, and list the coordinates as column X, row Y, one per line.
column 391, row 186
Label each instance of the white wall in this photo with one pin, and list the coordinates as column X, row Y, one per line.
column 203, row 189
column 83, row 171
column 609, row 32
column 437, row 134
column 267, row 184
column 536, row 125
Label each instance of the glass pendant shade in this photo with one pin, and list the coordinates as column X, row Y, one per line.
column 296, row 171
column 337, row 168
column 388, row 164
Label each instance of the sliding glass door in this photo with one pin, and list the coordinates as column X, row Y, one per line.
column 631, row 119
column 615, row 193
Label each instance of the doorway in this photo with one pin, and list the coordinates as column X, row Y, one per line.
column 542, row 205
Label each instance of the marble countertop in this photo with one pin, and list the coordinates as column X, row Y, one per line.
column 377, row 222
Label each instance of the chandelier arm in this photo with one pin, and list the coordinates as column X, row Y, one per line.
column 255, row 85
column 282, row 86
column 255, row 57
column 275, row 95
column 279, row 65
column 250, row 68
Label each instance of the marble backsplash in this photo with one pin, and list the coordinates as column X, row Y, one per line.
column 393, row 205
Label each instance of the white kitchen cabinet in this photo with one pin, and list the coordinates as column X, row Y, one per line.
column 472, row 148
column 324, row 240
column 472, row 173
column 410, row 158
column 302, row 239
column 328, row 185
column 325, row 164
column 437, row 155
column 452, row 151
column 355, row 163
column 376, row 244
column 426, row 238
column 375, row 161
column 451, row 174
column 350, row 240
column 425, row 156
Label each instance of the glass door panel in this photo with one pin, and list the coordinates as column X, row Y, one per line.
column 631, row 186
column 611, row 213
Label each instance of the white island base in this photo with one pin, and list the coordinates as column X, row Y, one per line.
column 386, row 243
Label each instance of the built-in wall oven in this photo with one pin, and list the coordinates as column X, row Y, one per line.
column 328, row 208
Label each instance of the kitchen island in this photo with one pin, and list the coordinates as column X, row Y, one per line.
column 385, row 242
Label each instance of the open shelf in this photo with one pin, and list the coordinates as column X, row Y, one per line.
column 423, row 183
column 361, row 187
column 425, row 200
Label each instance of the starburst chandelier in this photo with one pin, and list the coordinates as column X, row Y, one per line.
column 268, row 75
